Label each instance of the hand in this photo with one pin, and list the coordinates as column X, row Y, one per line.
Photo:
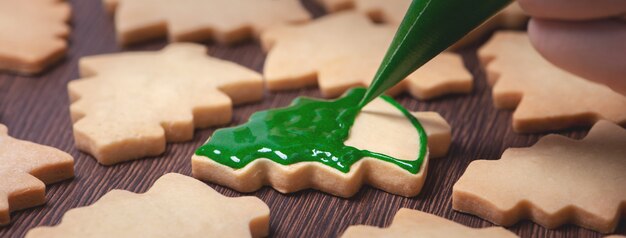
column 585, row 37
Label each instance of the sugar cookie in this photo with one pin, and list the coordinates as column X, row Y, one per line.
column 127, row 105
column 25, row 169
column 546, row 97
column 412, row 223
column 225, row 21
column 344, row 50
column 556, row 181
column 175, row 206
column 312, row 145
column 32, row 34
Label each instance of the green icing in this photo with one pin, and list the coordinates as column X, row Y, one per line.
column 308, row 130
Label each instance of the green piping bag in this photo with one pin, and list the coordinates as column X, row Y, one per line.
column 429, row 27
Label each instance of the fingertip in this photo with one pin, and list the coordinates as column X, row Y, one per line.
column 573, row 10
column 533, row 32
column 539, row 36
column 592, row 50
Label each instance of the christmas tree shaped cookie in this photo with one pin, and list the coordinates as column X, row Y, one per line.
column 412, row 223
column 556, row 181
column 328, row 146
column 546, row 97
column 25, row 169
column 32, row 34
column 344, row 50
column 225, row 21
column 127, row 105
column 175, row 206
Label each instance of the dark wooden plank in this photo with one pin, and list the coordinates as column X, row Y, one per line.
column 36, row 109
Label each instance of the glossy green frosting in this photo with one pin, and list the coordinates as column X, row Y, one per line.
column 309, row 130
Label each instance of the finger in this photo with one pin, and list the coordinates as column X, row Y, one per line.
column 594, row 50
column 574, row 9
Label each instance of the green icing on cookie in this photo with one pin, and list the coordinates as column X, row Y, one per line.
column 308, row 130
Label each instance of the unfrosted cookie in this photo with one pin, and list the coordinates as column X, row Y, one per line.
column 556, row 181
column 175, row 206
column 25, row 169
column 344, row 50
column 32, row 34
column 412, row 223
column 393, row 11
column 546, row 97
column 127, row 105
column 302, row 146
column 225, row 21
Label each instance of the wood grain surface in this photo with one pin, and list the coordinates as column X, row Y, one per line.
column 37, row 109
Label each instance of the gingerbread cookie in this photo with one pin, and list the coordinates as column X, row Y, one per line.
column 25, row 169
column 32, row 34
column 327, row 146
column 175, row 206
column 127, row 105
column 392, row 12
column 412, row 223
column 546, row 97
column 556, row 181
column 225, row 21
column 305, row 55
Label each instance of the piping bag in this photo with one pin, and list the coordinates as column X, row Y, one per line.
column 429, row 27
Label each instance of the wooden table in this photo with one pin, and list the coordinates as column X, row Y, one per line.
column 36, row 109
